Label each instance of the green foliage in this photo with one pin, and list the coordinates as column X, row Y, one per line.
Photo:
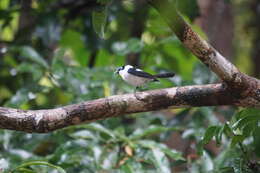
column 99, row 22
column 22, row 167
column 68, row 55
column 189, row 8
column 239, row 131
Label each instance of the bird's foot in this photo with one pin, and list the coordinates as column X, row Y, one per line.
column 136, row 94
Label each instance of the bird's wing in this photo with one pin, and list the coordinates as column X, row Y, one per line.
column 140, row 73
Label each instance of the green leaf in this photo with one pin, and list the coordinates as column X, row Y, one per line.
column 123, row 48
column 32, row 69
column 31, row 54
column 132, row 166
column 227, row 130
column 218, row 134
column 32, row 163
column 169, row 152
column 58, row 55
column 236, row 139
column 151, row 130
column 72, row 40
column 247, row 112
column 4, row 163
column 256, row 143
column 249, row 128
column 160, row 161
column 25, row 170
column 206, row 162
column 20, row 97
column 241, row 165
column 109, row 157
column 210, row 132
column 127, row 168
column 173, row 154
column 224, row 170
column 83, row 134
column 246, row 120
column 98, row 128
column 99, row 21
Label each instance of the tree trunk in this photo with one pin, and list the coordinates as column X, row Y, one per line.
column 217, row 22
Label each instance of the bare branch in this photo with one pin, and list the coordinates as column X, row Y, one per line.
column 43, row 121
column 242, row 86
column 199, row 47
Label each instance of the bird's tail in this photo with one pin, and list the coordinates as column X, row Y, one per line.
column 164, row 75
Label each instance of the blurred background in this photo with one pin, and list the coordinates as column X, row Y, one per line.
column 59, row 52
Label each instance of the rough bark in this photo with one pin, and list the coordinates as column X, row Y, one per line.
column 43, row 121
column 241, row 85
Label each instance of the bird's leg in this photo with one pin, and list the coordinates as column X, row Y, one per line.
column 136, row 88
column 136, row 95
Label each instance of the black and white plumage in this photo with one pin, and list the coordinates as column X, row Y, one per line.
column 138, row 77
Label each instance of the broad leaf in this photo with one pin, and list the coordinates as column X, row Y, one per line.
column 151, row 130
column 99, row 21
column 32, row 163
column 33, row 55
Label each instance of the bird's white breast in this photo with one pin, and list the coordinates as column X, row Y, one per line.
column 133, row 80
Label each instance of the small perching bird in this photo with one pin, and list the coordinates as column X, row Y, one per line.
column 138, row 77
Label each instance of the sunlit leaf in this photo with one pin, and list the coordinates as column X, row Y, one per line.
column 99, row 128
column 32, row 163
column 207, row 162
column 84, row 134
column 209, row 134
column 160, row 161
column 33, row 55
column 169, row 152
column 132, row 45
column 4, row 163
column 109, row 157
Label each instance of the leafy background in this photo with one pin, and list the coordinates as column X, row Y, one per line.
column 60, row 52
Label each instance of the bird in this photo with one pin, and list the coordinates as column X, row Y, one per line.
column 137, row 77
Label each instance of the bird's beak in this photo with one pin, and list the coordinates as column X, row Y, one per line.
column 116, row 72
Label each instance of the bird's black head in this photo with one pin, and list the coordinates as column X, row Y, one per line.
column 119, row 69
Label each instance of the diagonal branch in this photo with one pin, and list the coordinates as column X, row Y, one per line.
column 241, row 85
column 43, row 121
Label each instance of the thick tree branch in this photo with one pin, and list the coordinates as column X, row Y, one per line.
column 241, row 85
column 43, row 121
